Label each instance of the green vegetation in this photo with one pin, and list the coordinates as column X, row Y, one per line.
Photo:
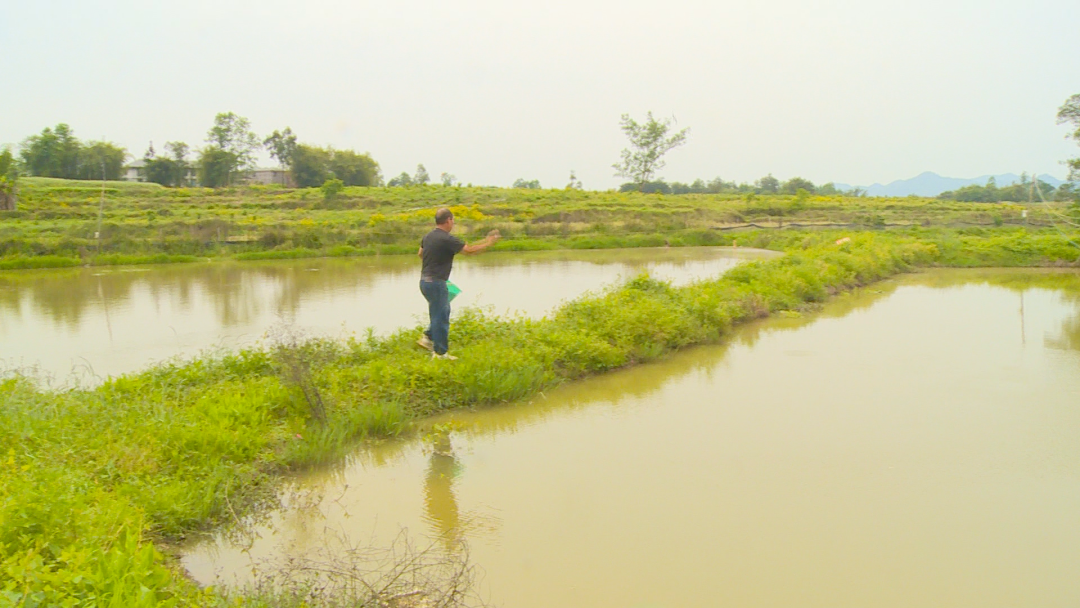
column 8, row 180
column 57, row 152
column 95, row 483
column 649, row 141
column 1028, row 189
column 312, row 166
column 173, row 170
column 1069, row 114
column 56, row 221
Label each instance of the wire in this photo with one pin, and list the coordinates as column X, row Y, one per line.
column 1051, row 213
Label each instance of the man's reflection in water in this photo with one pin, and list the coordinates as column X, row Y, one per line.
column 440, row 504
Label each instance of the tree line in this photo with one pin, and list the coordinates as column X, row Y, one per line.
column 1027, row 189
column 227, row 158
column 765, row 185
column 229, row 153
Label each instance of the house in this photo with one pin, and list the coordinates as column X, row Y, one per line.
column 135, row 171
column 267, row 175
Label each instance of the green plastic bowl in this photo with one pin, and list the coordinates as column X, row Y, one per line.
column 452, row 290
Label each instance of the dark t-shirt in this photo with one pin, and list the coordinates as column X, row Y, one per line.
column 439, row 249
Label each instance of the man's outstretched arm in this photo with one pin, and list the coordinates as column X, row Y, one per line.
column 481, row 245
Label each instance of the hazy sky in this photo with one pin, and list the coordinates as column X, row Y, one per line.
column 855, row 91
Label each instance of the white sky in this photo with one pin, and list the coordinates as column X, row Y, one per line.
column 855, row 91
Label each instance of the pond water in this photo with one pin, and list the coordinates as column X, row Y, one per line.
column 80, row 325
column 916, row 443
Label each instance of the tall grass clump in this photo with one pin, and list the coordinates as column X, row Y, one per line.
column 94, row 481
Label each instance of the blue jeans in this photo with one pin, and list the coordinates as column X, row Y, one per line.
column 438, row 299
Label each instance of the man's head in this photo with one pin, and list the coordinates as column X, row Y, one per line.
column 444, row 218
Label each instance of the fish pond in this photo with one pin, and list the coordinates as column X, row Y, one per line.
column 914, row 443
column 77, row 326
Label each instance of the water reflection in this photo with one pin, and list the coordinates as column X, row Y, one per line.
column 440, row 504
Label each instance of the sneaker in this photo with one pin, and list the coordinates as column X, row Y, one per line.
column 447, row 356
column 425, row 342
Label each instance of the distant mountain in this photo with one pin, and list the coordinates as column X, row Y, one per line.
column 932, row 184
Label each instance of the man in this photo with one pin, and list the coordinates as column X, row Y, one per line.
column 437, row 250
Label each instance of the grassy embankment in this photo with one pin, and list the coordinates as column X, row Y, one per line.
column 56, row 220
column 92, row 479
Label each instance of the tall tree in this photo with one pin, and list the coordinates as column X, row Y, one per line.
column 101, row 160
column 354, row 169
column 8, row 180
column 447, row 179
column 216, row 167
column 232, row 135
column 7, row 161
column 282, row 147
column 52, row 153
column 421, row 176
column 1069, row 114
column 178, row 149
column 310, row 166
column 768, row 185
column 649, row 141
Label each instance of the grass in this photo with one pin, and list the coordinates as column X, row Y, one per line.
column 58, row 220
column 94, row 482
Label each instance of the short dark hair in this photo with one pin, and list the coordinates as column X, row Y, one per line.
column 442, row 215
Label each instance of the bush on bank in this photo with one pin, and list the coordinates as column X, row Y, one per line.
column 92, row 478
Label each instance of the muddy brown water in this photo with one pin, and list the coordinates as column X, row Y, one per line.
column 78, row 326
column 916, row 443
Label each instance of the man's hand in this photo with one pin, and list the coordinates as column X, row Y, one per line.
column 481, row 245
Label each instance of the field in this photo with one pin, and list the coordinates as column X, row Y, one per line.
column 57, row 222
column 97, row 484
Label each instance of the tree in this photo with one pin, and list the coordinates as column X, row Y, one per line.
column 768, row 185
column 165, row 170
column 101, row 160
column 354, row 169
column 216, row 167
column 447, row 179
column 828, row 189
column 8, row 180
column 532, row 184
column 421, row 178
column 282, row 147
column 404, row 179
column 232, row 135
column 1069, row 114
column 575, row 183
column 310, row 166
column 52, row 153
column 648, row 143
column 793, row 185
column 7, row 162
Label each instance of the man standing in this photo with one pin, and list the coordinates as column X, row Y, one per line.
column 437, row 250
